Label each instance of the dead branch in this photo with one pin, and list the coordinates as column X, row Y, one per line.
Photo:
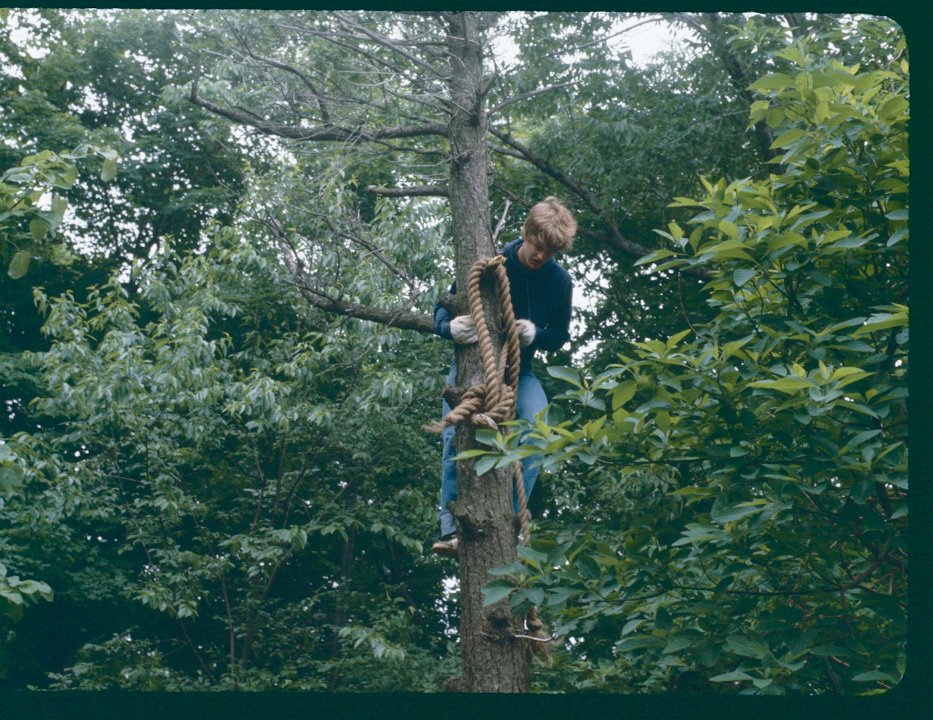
column 321, row 133
column 501, row 224
column 416, row 191
column 526, row 96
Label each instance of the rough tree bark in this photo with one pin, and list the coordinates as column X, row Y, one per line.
column 493, row 660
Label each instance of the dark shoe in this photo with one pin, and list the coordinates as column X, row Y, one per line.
column 447, row 546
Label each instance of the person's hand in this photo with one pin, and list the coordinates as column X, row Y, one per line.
column 462, row 330
column 526, row 332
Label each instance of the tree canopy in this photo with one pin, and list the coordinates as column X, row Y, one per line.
column 222, row 235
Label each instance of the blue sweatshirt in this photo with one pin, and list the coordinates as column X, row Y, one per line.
column 544, row 296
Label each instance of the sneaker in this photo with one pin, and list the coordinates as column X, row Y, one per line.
column 447, row 546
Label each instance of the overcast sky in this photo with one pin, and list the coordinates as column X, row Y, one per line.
column 647, row 39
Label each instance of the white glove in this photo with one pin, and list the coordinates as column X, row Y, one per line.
column 462, row 330
column 526, row 332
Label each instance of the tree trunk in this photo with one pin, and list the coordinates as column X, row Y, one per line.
column 493, row 660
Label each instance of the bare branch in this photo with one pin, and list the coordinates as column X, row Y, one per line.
column 329, row 133
column 400, row 318
column 370, row 247
column 526, row 96
column 417, row 191
column 501, row 224
column 393, row 46
column 271, row 62
column 525, row 153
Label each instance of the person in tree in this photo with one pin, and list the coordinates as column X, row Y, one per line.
column 542, row 300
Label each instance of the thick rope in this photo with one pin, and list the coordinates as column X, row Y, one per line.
column 494, row 401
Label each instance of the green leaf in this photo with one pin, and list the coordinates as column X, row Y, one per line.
column 793, row 54
column 558, row 597
column 737, row 511
column 38, row 228
column 743, row 275
column 897, row 237
column 882, row 321
column 681, row 641
column 731, row 348
column 894, row 107
column 788, row 385
column 622, row 393
column 654, row 257
column 745, row 646
column 535, row 558
column 639, row 642
column 11, row 479
column 486, row 463
column 19, row 265
column 874, row 675
column 109, row 170
column 533, row 596
column 496, row 590
column 587, row 567
column 567, row 374
column 774, row 81
column 724, row 250
column 699, row 533
column 734, row 676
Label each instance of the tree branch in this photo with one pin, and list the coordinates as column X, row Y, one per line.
column 502, row 220
column 526, row 96
column 616, row 239
column 285, row 67
column 393, row 46
column 417, row 191
column 400, row 318
column 328, row 133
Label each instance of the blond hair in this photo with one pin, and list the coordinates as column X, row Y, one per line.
column 551, row 224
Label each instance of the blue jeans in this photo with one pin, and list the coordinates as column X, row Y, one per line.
column 531, row 400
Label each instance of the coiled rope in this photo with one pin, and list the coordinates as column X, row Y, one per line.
column 494, row 401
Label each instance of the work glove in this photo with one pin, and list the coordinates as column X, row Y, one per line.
column 462, row 330
column 526, row 332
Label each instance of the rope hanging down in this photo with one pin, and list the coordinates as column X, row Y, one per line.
column 494, row 401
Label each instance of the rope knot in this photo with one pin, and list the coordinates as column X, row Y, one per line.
column 492, row 402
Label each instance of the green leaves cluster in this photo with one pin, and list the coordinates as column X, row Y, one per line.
column 33, row 205
column 226, row 488
column 199, row 487
column 736, row 493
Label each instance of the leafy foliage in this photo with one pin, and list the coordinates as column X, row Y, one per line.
column 206, row 469
column 32, row 206
column 209, row 483
column 743, row 482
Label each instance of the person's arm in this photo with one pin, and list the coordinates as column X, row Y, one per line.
column 556, row 333
column 442, row 317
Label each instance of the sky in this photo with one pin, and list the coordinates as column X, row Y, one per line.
column 645, row 39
